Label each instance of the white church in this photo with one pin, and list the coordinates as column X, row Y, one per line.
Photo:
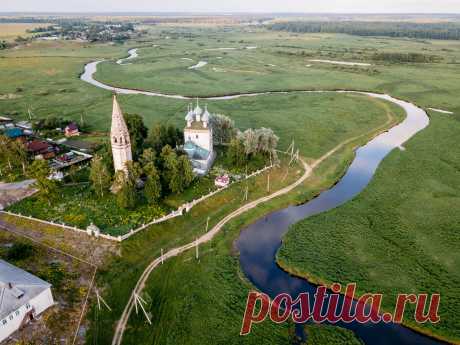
column 197, row 138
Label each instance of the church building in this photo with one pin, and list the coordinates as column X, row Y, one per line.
column 119, row 138
column 198, row 139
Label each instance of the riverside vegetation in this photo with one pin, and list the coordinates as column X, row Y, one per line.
column 184, row 294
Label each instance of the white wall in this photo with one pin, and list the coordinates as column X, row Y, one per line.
column 39, row 303
column 201, row 138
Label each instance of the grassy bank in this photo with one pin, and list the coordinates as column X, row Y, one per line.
column 330, row 335
column 399, row 235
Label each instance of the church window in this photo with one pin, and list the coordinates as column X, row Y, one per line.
column 121, row 140
column 115, row 140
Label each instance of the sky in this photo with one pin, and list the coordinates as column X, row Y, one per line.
column 305, row 6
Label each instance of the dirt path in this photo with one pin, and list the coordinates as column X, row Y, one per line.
column 140, row 285
column 13, row 192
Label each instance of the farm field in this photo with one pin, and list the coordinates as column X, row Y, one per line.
column 184, row 294
column 9, row 31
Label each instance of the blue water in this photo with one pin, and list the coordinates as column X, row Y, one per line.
column 259, row 242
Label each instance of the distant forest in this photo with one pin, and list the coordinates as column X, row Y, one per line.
column 441, row 31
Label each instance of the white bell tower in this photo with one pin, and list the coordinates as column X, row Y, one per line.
column 119, row 138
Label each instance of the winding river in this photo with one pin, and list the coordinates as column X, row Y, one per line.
column 259, row 242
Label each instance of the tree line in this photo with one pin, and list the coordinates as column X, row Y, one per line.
column 442, row 31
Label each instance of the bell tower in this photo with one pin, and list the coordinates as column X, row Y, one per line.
column 119, row 138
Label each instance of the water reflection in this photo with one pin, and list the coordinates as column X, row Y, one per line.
column 259, row 242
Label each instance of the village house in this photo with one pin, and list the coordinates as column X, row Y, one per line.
column 71, row 130
column 23, row 297
column 40, row 149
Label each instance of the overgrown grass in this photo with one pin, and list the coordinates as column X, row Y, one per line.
column 330, row 335
column 399, row 235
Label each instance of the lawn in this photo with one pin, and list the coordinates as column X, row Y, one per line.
column 400, row 235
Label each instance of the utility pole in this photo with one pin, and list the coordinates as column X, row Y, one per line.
column 246, row 193
column 196, row 249
column 139, row 300
column 162, row 256
column 99, row 300
column 30, row 114
column 207, row 224
column 268, row 183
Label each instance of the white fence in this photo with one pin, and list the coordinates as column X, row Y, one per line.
column 179, row 212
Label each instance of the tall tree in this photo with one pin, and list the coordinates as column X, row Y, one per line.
column 40, row 171
column 161, row 135
column 155, row 138
column 152, row 187
column 137, row 133
column 20, row 154
column 186, row 171
column 126, row 195
column 223, row 129
column 171, row 174
column 236, row 153
column 148, row 156
column 99, row 176
column 6, row 155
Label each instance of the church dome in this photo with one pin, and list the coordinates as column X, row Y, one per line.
column 206, row 115
column 190, row 116
column 198, row 110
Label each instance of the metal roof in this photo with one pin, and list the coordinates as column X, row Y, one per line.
column 17, row 287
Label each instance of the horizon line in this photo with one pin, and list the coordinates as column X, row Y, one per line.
column 226, row 12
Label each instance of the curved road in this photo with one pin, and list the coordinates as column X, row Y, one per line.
column 87, row 76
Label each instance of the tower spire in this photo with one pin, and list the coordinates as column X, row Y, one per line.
column 119, row 138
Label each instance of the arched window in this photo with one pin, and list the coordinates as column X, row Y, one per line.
column 115, row 140
column 197, row 136
column 121, row 140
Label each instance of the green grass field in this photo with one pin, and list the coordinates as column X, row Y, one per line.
column 400, row 235
column 330, row 335
column 185, row 295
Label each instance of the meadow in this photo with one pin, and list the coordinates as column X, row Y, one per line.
column 183, row 294
column 399, row 236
